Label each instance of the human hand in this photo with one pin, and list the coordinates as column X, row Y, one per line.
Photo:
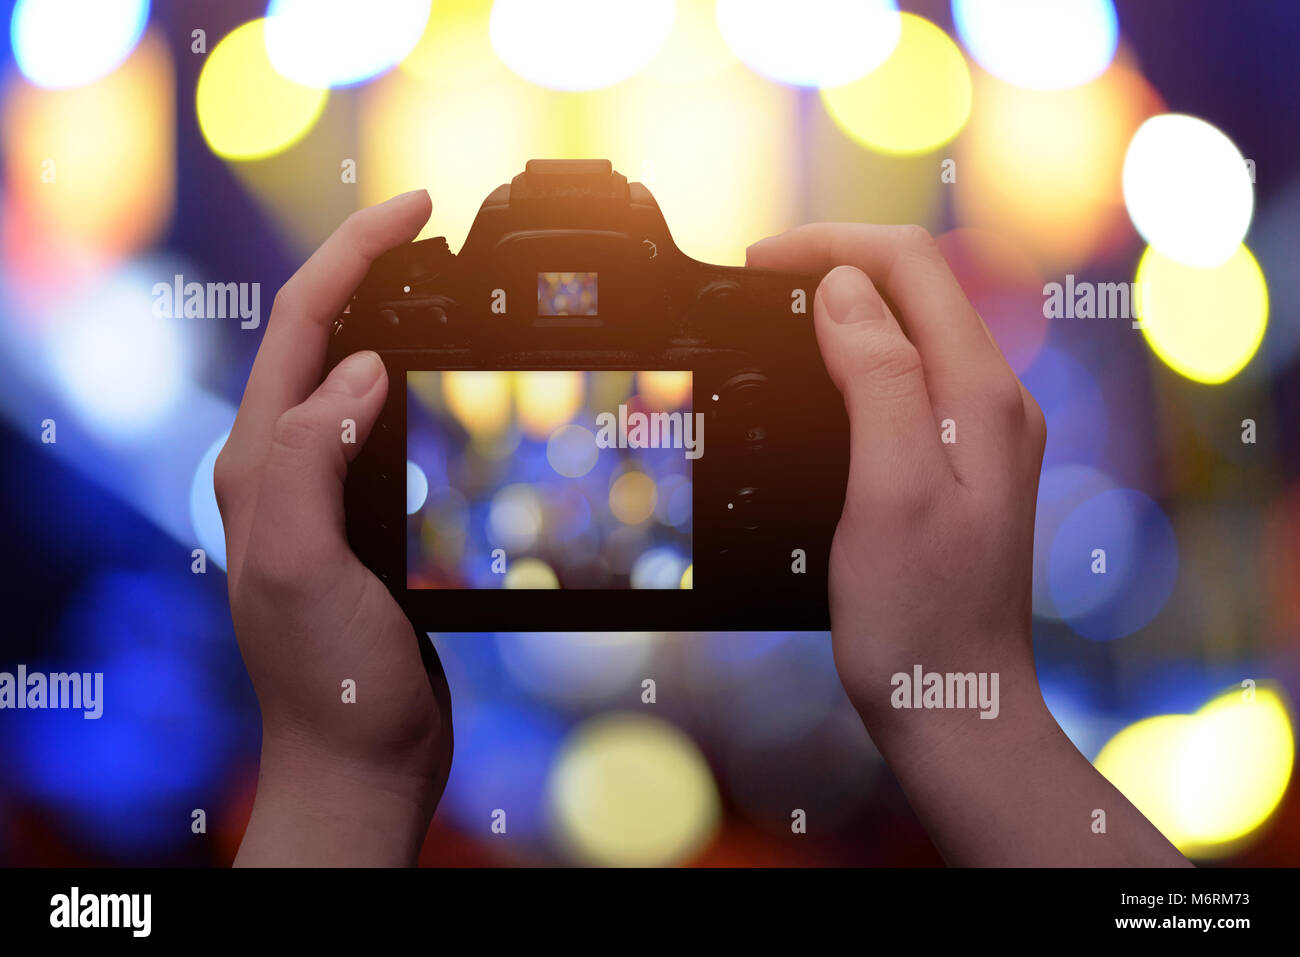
column 931, row 564
column 339, row 783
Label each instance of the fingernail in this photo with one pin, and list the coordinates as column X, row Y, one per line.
column 358, row 373
column 755, row 247
column 849, row 296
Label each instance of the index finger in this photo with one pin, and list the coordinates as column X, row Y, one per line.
column 289, row 360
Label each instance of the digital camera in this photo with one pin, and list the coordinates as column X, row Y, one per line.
column 587, row 430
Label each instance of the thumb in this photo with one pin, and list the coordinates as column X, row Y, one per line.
column 299, row 518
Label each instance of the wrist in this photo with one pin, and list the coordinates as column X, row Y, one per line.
column 317, row 808
column 934, row 716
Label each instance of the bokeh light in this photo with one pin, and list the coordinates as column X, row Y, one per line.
column 205, row 516
column 1205, row 324
column 91, row 170
column 632, row 497
column 1187, row 189
column 1043, row 168
column 531, row 573
column 579, row 44
column 65, row 43
column 1113, row 564
column 338, row 42
column 632, row 790
column 122, row 368
column 1210, row 778
column 811, row 43
column 417, row 487
column 246, row 108
column 1040, row 45
column 546, row 400
column 914, row 102
column 572, row 450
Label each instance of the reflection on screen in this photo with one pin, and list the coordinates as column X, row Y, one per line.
column 518, row 480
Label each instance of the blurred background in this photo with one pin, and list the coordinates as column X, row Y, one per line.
column 1080, row 143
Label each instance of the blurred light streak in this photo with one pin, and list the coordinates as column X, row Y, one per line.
column 1044, row 168
column 813, row 42
column 121, row 368
column 1112, row 565
column 1207, row 780
column 1205, row 324
column 340, row 42
column 152, row 471
column 1188, row 190
column 1040, row 45
column 68, row 43
column 579, row 44
column 246, row 109
column 577, row 670
column 89, row 172
column 914, row 102
column 629, row 789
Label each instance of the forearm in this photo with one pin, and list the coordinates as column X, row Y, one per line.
column 1014, row 791
column 311, row 812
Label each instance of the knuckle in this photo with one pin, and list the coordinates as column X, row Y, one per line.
column 1007, row 399
column 919, row 239
column 226, row 478
column 891, row 360
column 294, row 431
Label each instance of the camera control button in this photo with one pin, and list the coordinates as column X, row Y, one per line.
column 744, row 508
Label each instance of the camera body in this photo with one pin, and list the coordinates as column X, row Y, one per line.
column 490, row 497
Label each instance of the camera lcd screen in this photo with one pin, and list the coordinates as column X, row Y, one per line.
column 566, row 294
column 550, row 479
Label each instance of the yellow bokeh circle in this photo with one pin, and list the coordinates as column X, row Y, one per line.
column 1205, row 324
column 1206, row 780
column 246, row 109
column 914, row 102
column 632, row 790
